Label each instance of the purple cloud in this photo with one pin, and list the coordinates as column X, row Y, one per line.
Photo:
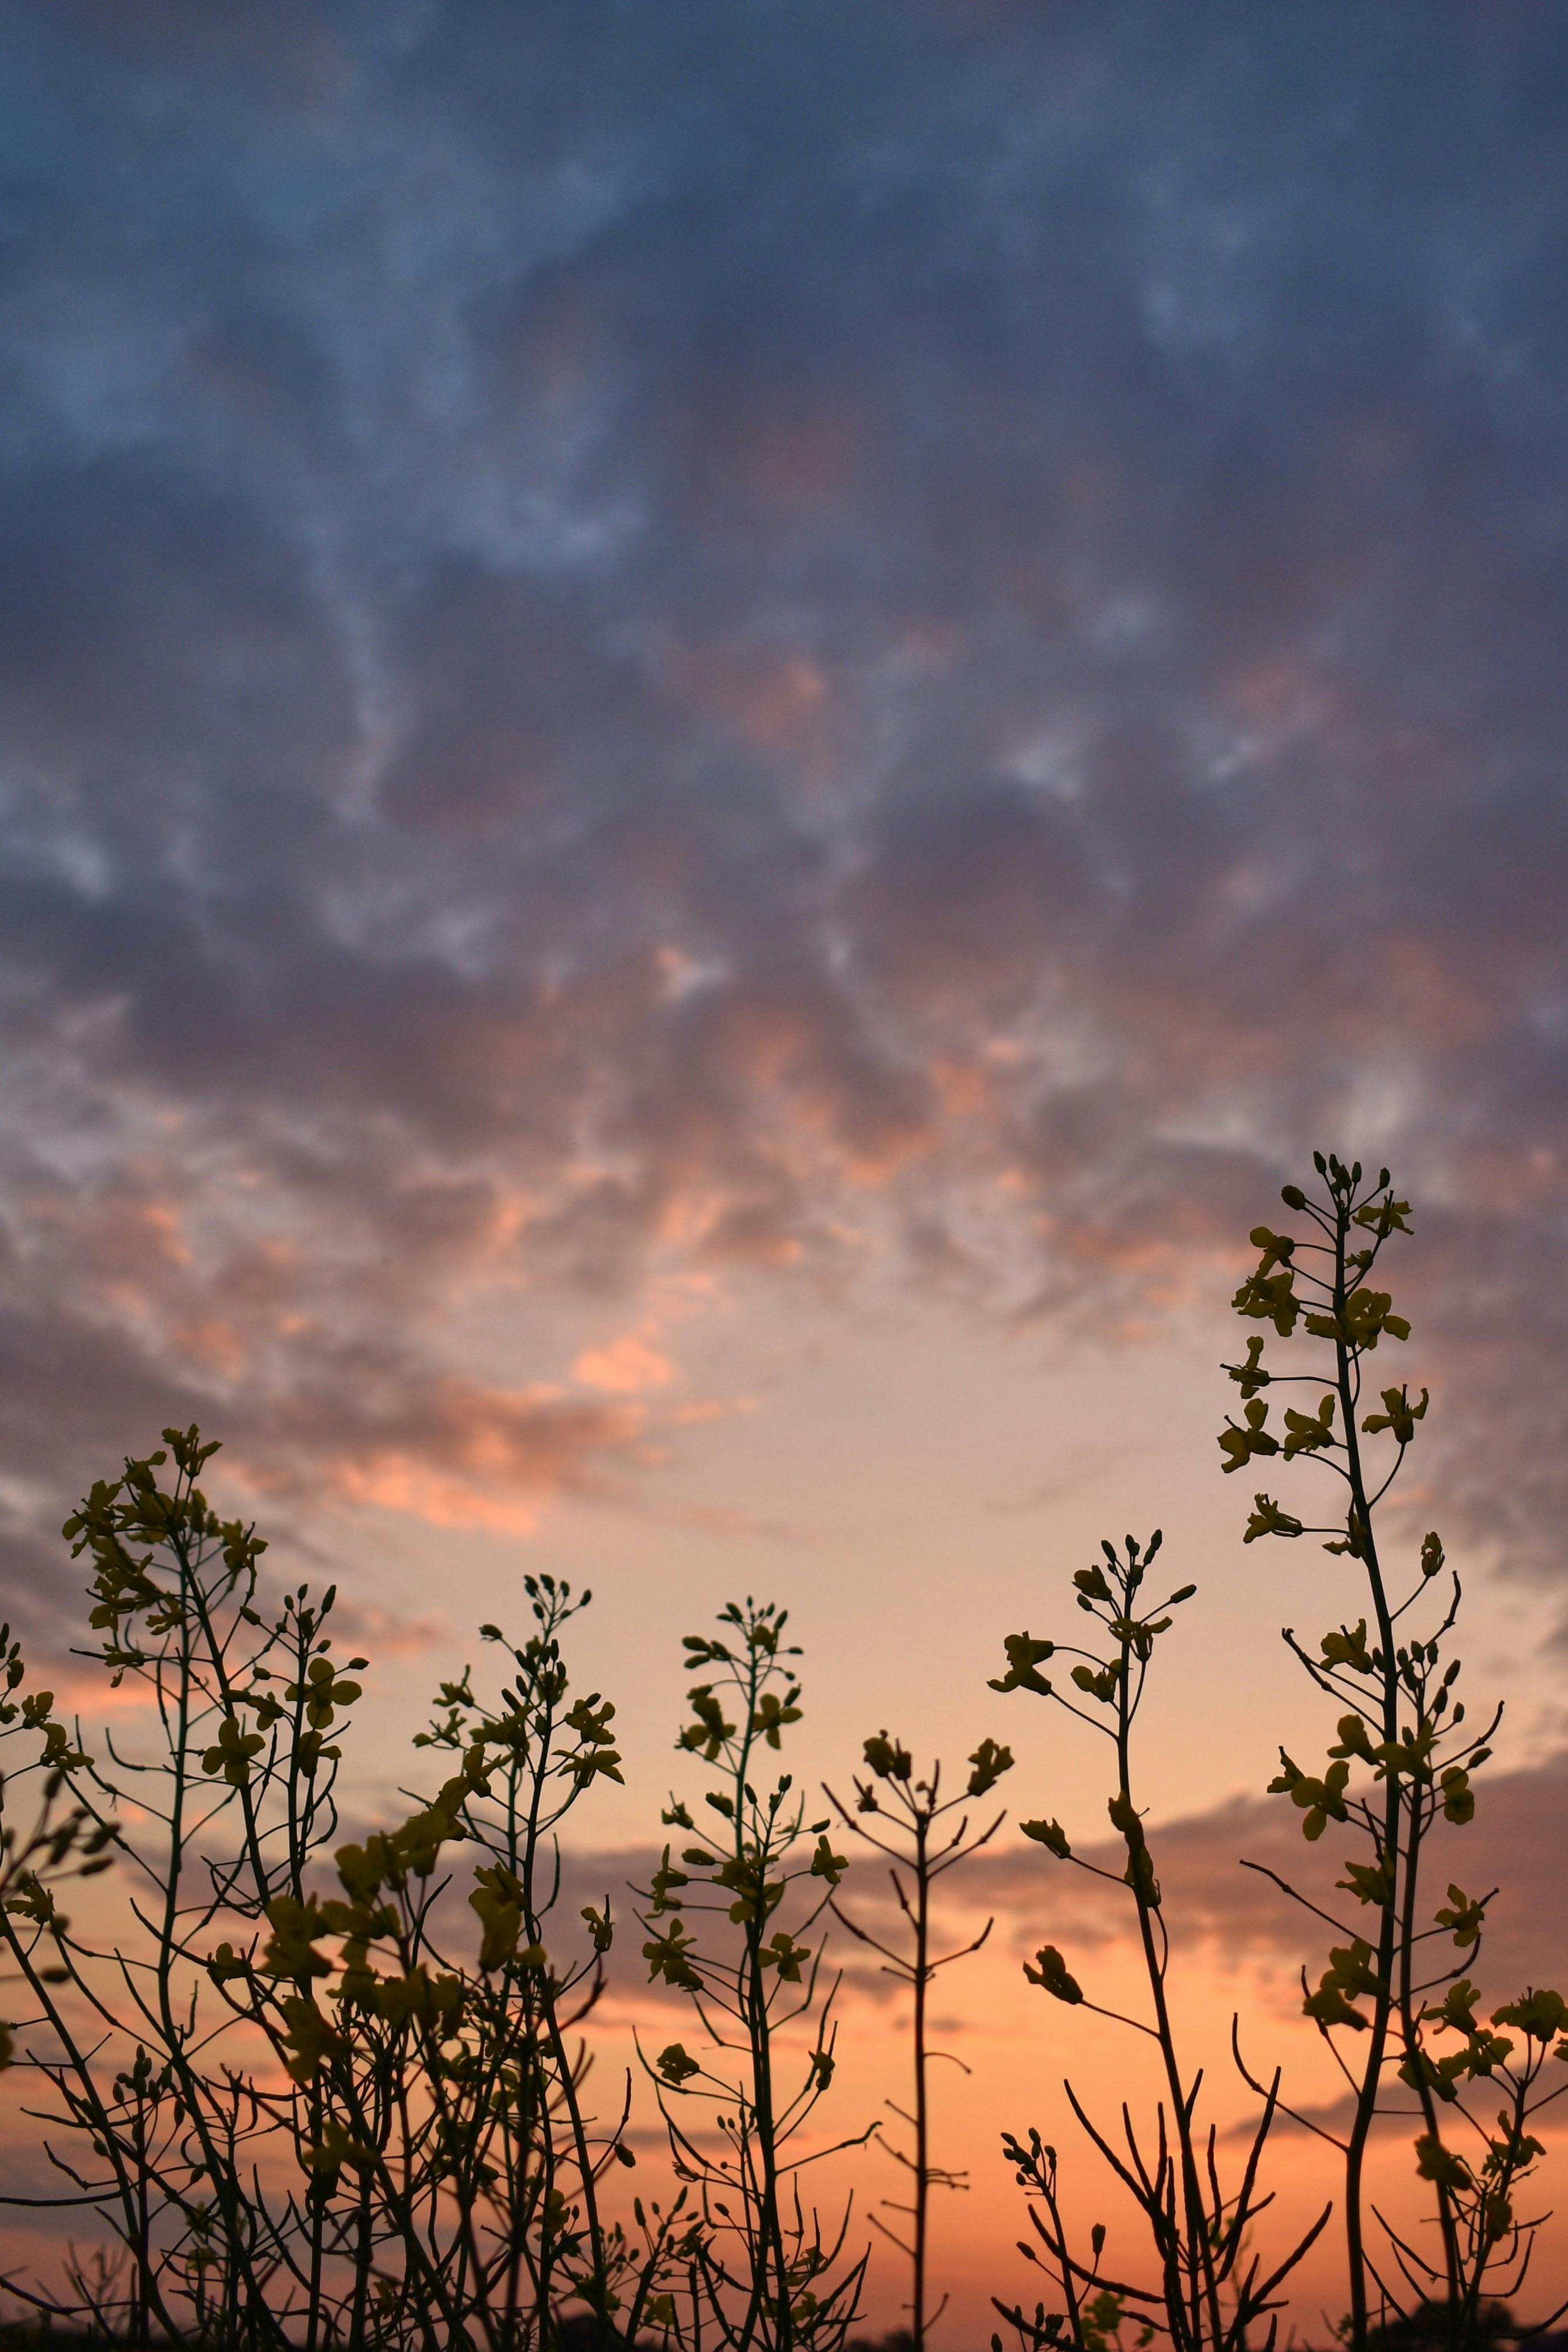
column 625, row 631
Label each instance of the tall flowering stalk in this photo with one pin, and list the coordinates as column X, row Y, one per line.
column 764, row 2270
column 1396, row 2006
column 1210, row 2289
column 302, row 2118
column 916, row 1833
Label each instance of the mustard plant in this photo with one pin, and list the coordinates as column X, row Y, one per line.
column 770, row 2276
column 303, row 2119
column 1394, row 2006
column 149, row 2130
column 332, row 2093
column 1211, row 2289
column 57, row 1843
column 907, row 1811
column 519, row 2125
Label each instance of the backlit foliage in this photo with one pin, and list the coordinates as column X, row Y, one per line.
column 308, row 2090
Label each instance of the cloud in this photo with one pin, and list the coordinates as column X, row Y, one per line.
column 762, row 643
column 370, row 1625
column 624, row 1366
column 1235, row 1916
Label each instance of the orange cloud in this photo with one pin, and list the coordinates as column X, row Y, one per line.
column 403, row 1482
column 625, row 1366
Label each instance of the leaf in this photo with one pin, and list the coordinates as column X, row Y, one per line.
column 826, row 1864
column 1366, row 1317
column 1542, row 2015
column 336, row 2150
column 290, row 1950
column 1271, row 1298
column 1398, row 1416
column 988, row 1762
column 888, row 1759
column 600, row 1926
column 1459, row 1797
column 1099, row 1683
column 785, row 1955
column 1242, row 1443
column 1354, row 1739
column 1436, row 2162
column 1309, row 1433
column 1250, row 1376
column 1320, row 1802
column 309, row 2039
column 1024, row 1655
column 1369, row 1882
column 231, row 1755
column 666, row 1958
column 1051, row 1973
column 771, row 1715
column 1350, row 1969
column 707, row 1735
column 1344, row 1648
column 497, row 1902
column 1268, row 1519
column 1328, row 2006
column 1383, row 1217
column 1465, row 1919
column 664, row 1878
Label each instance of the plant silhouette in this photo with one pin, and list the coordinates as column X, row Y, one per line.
column 334, row 2094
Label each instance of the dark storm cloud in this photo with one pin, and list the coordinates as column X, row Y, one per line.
column 624, row 622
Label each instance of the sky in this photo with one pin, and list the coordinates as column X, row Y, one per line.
column 724, row 723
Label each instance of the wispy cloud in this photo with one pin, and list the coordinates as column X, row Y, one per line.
column 751, row 640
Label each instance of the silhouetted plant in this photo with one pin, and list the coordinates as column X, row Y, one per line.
column 1406, row 2015
column 410, row 2162
column 58, row 1843
column 524, row 2149
column 155, row 2134
column 1211, row 2291
column 332, row 2095
column 763, row 2261
column 909, row 1811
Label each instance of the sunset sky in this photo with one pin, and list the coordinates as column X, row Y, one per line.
column 725, row 722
